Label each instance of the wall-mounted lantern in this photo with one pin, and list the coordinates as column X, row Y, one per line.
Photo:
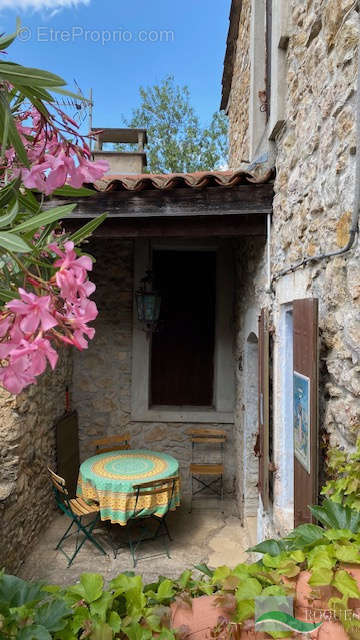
column 148, row 303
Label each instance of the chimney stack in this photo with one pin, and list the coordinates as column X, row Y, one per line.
column 121, row 162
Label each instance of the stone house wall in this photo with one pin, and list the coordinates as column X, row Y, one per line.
column 240, row 93
column 314, row 193
column 27, row 447
column 102, row 374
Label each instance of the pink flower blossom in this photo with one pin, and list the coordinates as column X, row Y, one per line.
column 15, row 377
column 38, row 352
column 88, row 171
column 34, row 310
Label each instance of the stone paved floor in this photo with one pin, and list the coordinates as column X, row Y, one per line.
column 203, row 536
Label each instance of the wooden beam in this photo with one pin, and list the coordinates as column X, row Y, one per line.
column 203, row 227
column 220, row 201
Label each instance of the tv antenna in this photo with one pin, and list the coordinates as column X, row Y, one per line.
column 79, row 110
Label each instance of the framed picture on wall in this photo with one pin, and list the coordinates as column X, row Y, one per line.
column 301, row 419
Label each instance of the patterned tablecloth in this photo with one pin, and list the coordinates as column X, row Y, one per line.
column 109, row 478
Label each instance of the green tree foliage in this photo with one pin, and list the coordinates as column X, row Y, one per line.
column 177, row 141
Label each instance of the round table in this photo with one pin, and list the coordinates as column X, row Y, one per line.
column 109, row 479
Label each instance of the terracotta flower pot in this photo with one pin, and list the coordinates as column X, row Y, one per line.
column 204, row 616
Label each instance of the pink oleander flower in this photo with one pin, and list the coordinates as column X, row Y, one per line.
column 15, row 377
column 34, row 310
column 88, row 171
column 38, row 352
column 69, row 260
column 5, row 324
column 61, row 166
column 76, row 318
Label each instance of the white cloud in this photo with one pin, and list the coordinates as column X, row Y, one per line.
column 53, row 5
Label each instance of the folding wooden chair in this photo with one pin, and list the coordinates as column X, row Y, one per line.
column 75, row 509
column 112, row 443
column 155, row 488
column 213, row 439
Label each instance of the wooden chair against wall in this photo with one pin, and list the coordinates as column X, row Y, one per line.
column 213, row 439
column 75, row 509
column 112, row 443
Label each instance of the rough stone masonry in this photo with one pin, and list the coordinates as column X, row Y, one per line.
column 314, row 192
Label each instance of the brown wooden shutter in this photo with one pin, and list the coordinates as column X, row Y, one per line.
column 305, row 316
column 264, row 407
column 67, row 450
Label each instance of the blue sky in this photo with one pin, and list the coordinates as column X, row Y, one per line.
column 114, row 46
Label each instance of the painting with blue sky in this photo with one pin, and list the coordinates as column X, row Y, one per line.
column 301, row 404
column 115, row 46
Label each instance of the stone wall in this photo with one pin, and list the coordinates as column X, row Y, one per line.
column 240, row 93
column 27, row 447
column 102, row 374
column 314, row 192
column 249, row 294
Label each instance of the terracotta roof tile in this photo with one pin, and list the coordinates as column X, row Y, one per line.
column 167, row 182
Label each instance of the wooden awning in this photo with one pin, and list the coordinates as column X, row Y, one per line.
column 202, row 204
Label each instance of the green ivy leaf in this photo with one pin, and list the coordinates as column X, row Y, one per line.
column 347, row 553
column 304, row 535
column 80, row 618
column 101, row 631
column 165, row 590
column 338, row 534
column 321, row 576
column 53, row 615
column 245, row 610
column 114, row 621
column 136, row 632
column 184, row 578
column 248, row 588
column 92, row 584
column 220, row 574
column 346, row 584
column 16, row 592
column 321, row 557
column 33, row 632
column 101, row 605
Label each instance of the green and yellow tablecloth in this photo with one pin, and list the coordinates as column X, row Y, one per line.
column 109, row 479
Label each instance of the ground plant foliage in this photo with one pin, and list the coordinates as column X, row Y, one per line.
column 126, row 608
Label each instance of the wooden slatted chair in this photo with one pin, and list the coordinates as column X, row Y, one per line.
column 201, row 470
column 75, row 509
column 165, row 487
column 112, row 443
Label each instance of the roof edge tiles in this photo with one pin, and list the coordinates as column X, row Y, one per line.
column 171, row 181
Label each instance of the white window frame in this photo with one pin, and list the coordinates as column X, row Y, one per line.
column 224, row 371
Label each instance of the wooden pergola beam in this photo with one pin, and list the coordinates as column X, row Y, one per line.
column 179, row 227
column 238, row 200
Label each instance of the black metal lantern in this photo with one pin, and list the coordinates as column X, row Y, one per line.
column 148, row 303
